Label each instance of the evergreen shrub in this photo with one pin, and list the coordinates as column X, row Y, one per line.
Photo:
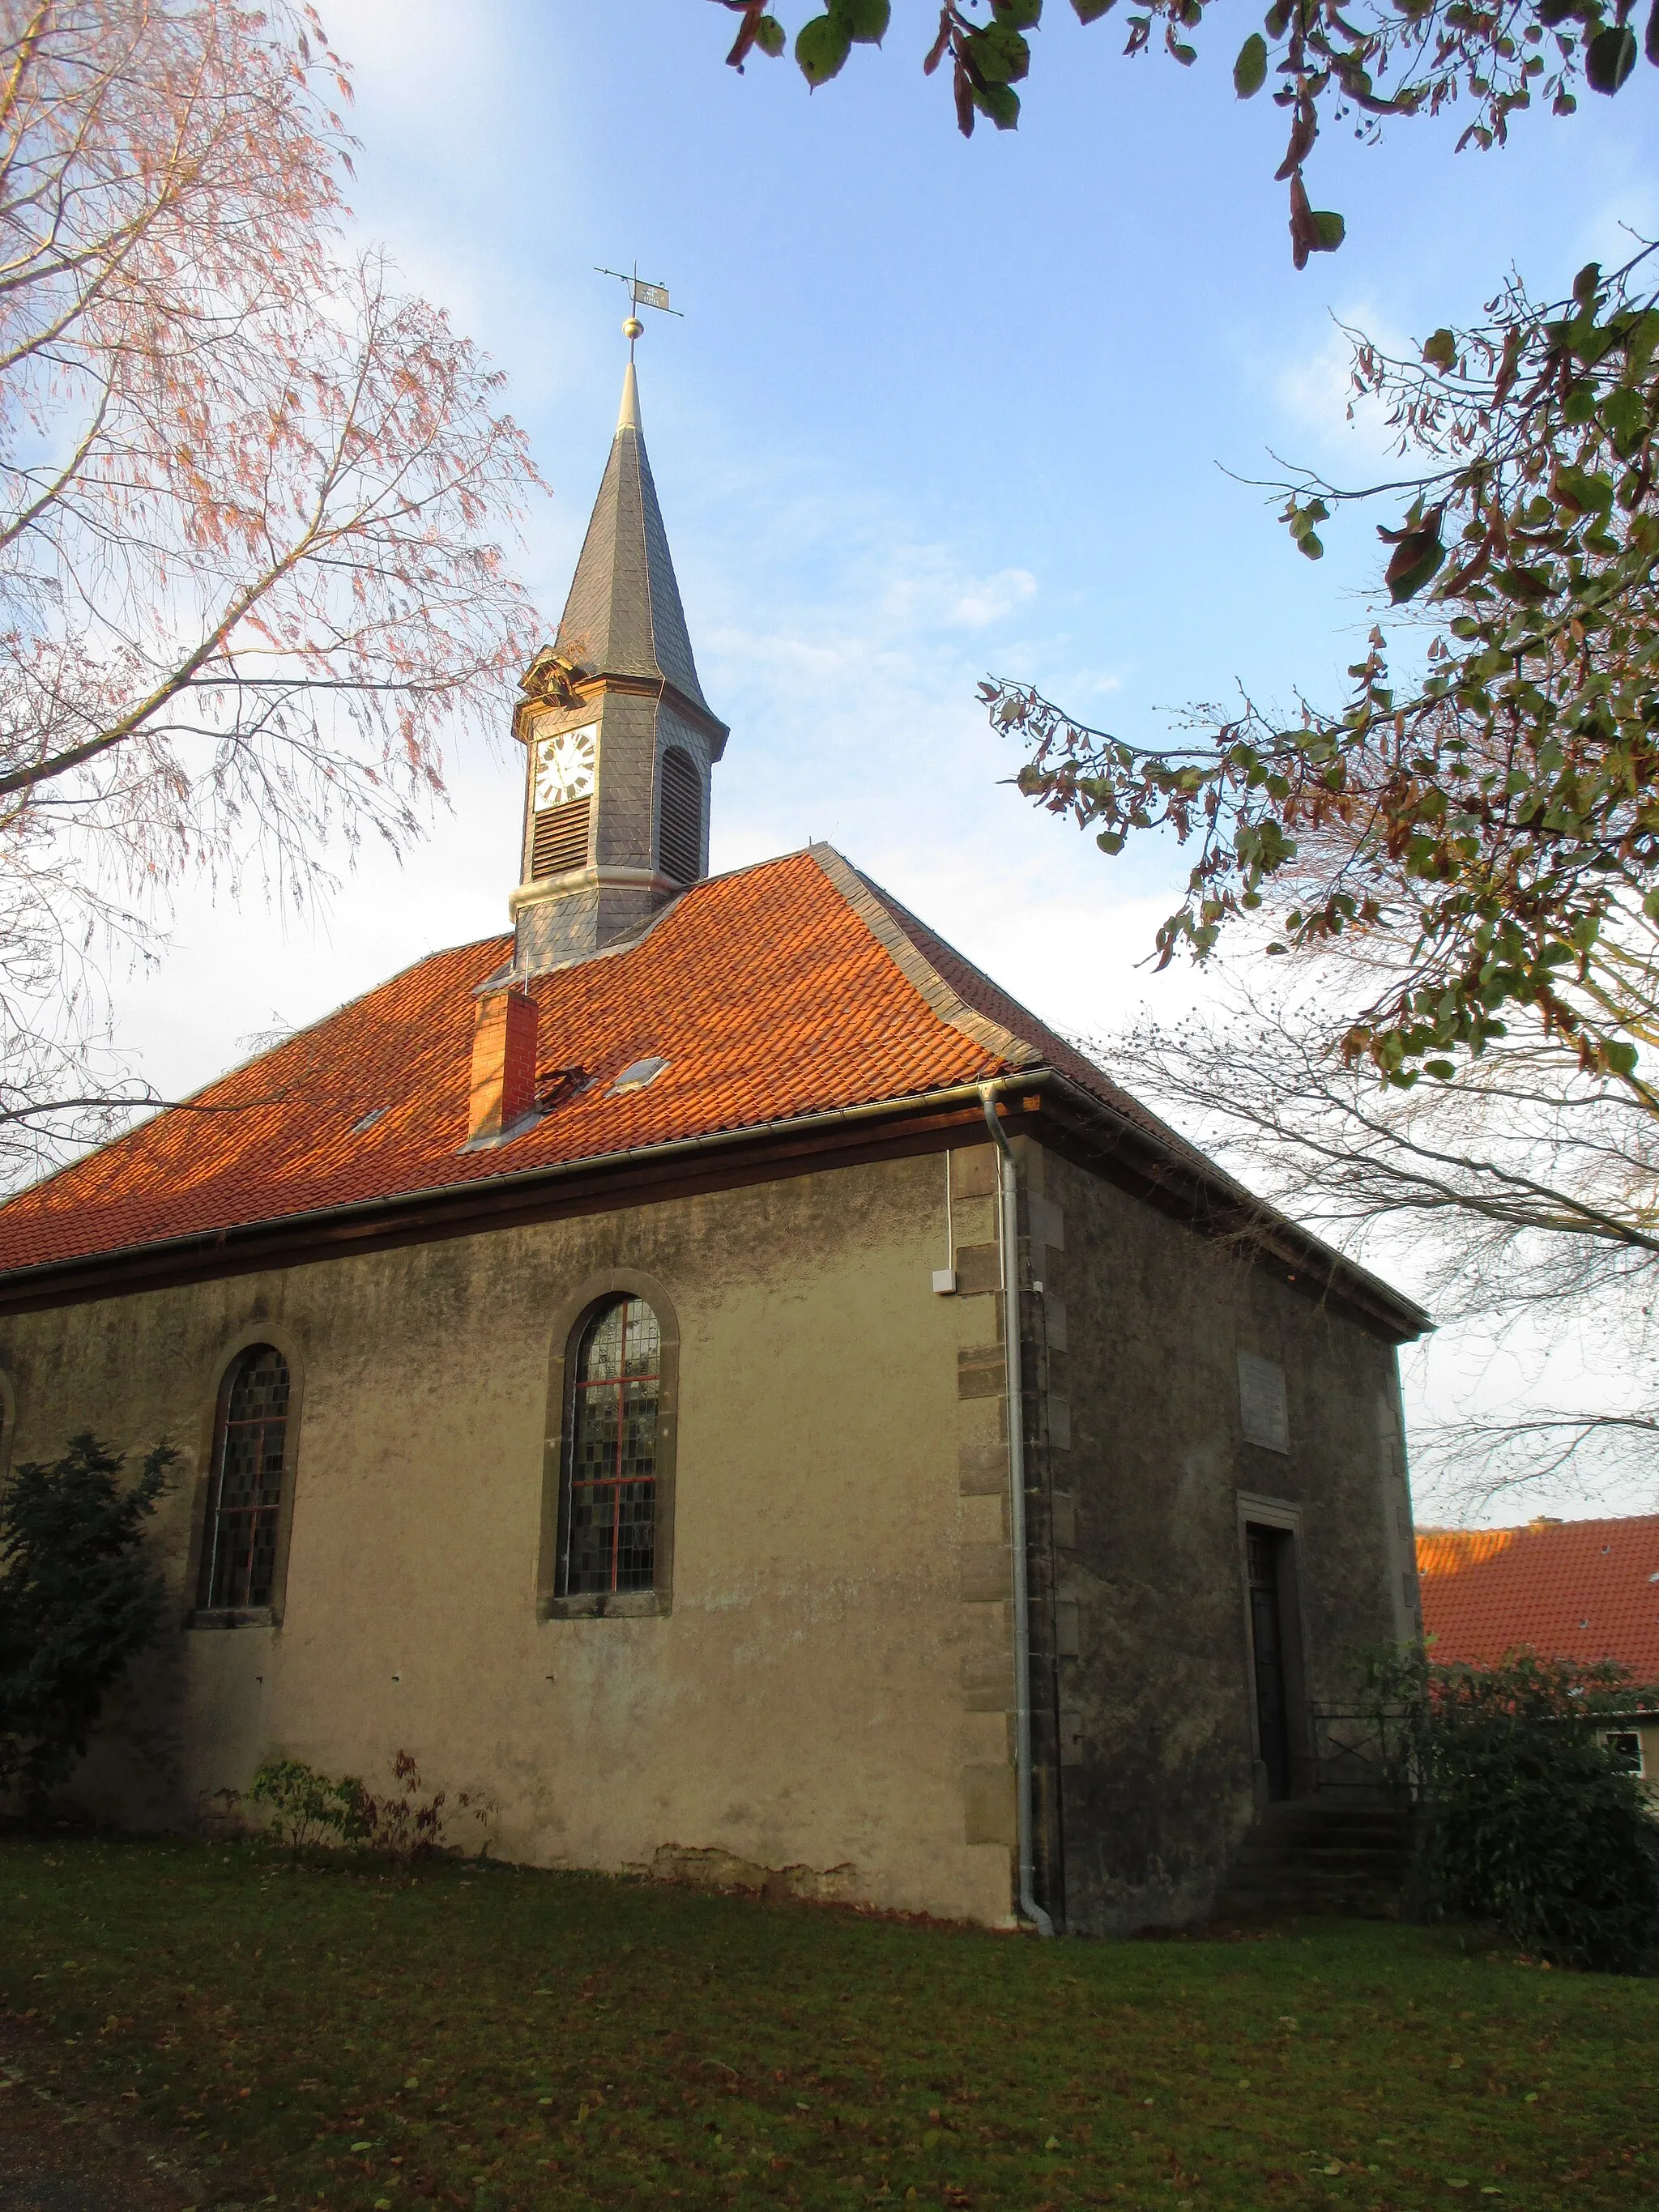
column 79, row 1599
column 1530, row 1823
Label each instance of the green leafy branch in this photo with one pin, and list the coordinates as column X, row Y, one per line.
column 1358, row 64
column 1502, row 811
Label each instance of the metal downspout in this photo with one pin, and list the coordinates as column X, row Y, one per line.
column 1008, row 1251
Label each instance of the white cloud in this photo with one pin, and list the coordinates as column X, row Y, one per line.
column 997, row 596
column 925, row 587
column 1315, row 393
column 410, row 65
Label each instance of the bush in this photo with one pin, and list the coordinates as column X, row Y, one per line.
column 1531, row 1824
column 308, row 1808
column 78, row 1601
column 406, row 1824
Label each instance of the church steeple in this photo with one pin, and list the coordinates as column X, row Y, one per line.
column 619, row 737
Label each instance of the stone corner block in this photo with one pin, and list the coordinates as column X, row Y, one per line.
column 984, row 1571
column 987, row 1805
column 982, row 1470
column 981, row 1371
column 987, row 1681
column 972, row 1171
column 979, row 1269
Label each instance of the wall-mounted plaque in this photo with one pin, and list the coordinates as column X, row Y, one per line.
column 1261, row 1402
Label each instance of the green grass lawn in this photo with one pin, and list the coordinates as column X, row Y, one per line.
column 490, row 2037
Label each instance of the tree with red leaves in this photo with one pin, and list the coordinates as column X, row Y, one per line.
column 251, row 503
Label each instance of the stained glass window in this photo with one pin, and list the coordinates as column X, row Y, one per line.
column 611, row 1479
column 239, row 1557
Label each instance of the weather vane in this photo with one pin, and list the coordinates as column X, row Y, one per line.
column 640, row 294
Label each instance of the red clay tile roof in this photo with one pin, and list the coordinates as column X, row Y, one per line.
column 764, row 991
column 1567, row 1590
column 780, row 992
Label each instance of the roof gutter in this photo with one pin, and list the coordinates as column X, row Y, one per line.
column 1041, row 1078
column 366, row 1209
column 1008, row 1253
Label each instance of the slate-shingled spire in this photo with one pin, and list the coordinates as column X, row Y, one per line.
column 620, row 738
column 623, row 615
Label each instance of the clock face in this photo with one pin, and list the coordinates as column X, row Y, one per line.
column 564, row 765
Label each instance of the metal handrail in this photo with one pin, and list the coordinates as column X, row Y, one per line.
column 1362, row 1749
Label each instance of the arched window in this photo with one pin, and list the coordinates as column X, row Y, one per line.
column 610, row 1503
column 679, row 827
column 238, row 1552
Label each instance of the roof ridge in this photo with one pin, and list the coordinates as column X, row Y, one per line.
column 916, row 967
column 1552, row 1525
column 642, row 471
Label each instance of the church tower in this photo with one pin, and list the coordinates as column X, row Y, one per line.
column 618, row 738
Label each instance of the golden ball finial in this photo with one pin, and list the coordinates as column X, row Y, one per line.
column 633, row 328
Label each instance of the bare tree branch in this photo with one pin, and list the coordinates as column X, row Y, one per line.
column 237, row 470
column 1520, row 1202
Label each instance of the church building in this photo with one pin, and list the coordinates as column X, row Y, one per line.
column 708, row 1369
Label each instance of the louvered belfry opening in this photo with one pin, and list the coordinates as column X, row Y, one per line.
column 559, row 839
column 679, row 831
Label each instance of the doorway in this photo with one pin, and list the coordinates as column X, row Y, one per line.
column 1264, row 1549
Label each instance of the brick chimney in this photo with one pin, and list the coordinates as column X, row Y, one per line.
column 503, row 1064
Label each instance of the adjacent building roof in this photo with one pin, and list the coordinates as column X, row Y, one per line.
column 776, row 997
column 1586, row 1590
column 624, row 616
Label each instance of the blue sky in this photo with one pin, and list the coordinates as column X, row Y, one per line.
column 936, row 408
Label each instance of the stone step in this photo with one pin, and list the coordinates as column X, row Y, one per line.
column 1354, row 1858
column 1315, row 1858
column 1294, row 1878
column 1324, row 1839
column 1351, row 1905
column 1334, row 1820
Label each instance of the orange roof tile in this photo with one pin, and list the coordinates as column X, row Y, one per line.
column 1586, row 1590
column 764, row 991
column 781, row 992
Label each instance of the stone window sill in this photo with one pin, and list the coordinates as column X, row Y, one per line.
column 607, row 1605
column 246, row 1616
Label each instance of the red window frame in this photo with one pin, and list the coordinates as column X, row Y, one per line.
column 239, row 1550
column 608, row 1538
